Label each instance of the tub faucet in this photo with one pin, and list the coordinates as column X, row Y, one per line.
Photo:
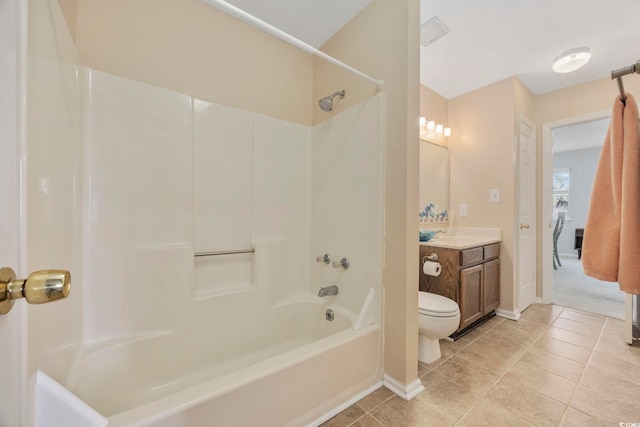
column 329, row 290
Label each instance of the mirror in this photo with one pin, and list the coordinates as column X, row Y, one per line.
column 434, row 183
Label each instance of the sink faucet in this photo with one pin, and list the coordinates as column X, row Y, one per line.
column 329, row 290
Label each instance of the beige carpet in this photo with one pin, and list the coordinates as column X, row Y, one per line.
column 573, row 289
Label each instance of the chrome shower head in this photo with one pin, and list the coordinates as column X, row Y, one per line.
column 326, row 103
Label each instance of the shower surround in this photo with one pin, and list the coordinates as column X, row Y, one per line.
column 155, row 176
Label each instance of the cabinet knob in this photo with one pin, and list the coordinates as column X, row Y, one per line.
column 524, row 226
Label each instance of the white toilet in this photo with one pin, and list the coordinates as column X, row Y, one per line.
column 438, row 317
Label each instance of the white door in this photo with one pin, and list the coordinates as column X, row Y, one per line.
column 11, row 325
column 526, row 227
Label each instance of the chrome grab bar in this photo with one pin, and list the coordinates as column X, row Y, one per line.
column 229, row 252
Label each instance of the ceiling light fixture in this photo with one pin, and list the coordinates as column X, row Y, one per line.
column 571, row 60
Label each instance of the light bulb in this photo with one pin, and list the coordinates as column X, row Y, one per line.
column 422, row 121
column 431, row 125
column 439, row 128
column 447, row 131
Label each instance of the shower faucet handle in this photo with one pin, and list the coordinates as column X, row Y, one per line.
column 344, row 263
column 325, row 258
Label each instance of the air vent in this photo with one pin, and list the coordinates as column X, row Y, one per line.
column 432, row 31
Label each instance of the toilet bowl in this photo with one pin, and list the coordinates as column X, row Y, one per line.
column 438, row 317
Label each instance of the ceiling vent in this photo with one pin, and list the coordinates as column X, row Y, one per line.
column 432, row 31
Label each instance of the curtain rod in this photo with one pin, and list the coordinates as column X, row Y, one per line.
column 240, row 14
column 617, row 74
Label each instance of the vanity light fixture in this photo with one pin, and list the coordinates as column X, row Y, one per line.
column 431, row 126
column 571, row 60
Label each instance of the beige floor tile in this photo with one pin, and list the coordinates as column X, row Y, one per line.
column 366, row 421
column 612, row 384
column 582, row 317
column 553, row 363
column 488, row 414
column 625, row 368
column 453, row 400
column 574, row 418
column 493, row 353
column 547, row 383
column 529, row 404
column 452, row 347
column 571, row 337
column 607, row 408
column 561, row 348
column 489, row 324
column 375, row 399
column 522, row 332
column 346, row 417
column 467, row 374
column 415, row 413
column 577, row 327
column 617, row 346
column 542, row 313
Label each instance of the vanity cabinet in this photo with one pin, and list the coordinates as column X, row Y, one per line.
column 470, row 277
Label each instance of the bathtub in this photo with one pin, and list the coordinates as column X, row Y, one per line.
column 294, row 368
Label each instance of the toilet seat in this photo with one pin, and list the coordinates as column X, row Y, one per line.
column 436, row 305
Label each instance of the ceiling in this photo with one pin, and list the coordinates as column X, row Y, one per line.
column 490, row 40
column 580, row 136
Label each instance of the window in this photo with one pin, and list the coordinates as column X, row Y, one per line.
column 561, row 180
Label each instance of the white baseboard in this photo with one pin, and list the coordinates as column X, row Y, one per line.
column 568, row 255
column 405, row 391
column 335, row 411
column 511, row 315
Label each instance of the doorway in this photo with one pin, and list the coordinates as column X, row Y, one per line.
column 573, row 150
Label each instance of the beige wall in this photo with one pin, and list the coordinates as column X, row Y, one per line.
column 481, row 150
column 383, row 42
column 570, row 103
column 192, row 48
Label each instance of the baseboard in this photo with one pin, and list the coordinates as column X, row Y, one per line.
column 511, row 315
column 405, row 391
column 575, row 256
column 335, row 411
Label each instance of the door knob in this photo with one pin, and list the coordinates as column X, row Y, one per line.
column 40, row 287
column 523, row 226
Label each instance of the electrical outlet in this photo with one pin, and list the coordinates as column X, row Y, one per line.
column 494, row 195
column 464, row 209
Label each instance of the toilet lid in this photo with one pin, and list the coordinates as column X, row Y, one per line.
column 434, row 303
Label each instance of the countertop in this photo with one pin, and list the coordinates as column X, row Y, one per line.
column 465, row 238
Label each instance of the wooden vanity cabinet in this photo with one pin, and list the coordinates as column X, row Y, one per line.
column 470, row 277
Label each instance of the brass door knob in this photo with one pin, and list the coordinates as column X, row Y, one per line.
column 40, row 287
column 524, row 226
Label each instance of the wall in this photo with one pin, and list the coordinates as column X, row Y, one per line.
column 190, row 47
column 564, row 104
column 482, row 155
column 383, row 41
column 583, row 169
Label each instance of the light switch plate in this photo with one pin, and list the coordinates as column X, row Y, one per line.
column 464, row 209
column 494, row 195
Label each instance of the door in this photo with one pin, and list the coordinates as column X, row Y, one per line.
column 526, row 226
column 470, row 295
column 491, row 282
column 11, row 325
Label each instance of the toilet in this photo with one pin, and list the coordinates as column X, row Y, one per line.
column 438, row 317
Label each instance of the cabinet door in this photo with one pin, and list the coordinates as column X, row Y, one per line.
column 470, row 295
column 491, row 285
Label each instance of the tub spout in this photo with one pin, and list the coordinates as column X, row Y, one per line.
column 329, row 290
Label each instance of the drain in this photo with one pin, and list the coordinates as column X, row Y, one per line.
column 329, row 315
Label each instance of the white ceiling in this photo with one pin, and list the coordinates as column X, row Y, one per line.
column 490, row 39
column 580, row 136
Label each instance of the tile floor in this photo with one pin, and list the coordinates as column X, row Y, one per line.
column 553, row 367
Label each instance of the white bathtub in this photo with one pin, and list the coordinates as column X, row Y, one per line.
column 291, row 368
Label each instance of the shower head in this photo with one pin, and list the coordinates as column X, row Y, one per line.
column 326, row 103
